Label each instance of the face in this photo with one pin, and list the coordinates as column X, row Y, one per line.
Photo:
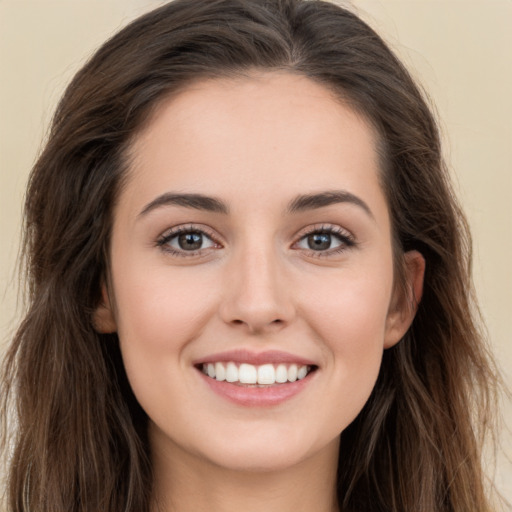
column 252, row 272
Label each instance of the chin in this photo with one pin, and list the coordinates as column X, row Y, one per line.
column 258, row 460
column 269, row 451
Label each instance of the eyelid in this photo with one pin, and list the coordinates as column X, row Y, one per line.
column 170, row 233
column 347, row 239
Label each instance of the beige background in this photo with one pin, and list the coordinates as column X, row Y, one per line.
column 460, row 49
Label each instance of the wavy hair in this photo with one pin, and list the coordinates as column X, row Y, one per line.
column 79, row 442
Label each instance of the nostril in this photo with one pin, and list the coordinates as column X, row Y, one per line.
column 277, row 321
column 256, row 327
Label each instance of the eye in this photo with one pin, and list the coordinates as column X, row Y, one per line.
column 325, row 240
column 180, row 241
column 321, row 241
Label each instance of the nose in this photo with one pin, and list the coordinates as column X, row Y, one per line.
column 258, row 295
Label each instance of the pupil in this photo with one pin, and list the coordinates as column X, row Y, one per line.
column 319, row 241
column 190, row 241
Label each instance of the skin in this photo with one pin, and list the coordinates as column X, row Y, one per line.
column 255, row 143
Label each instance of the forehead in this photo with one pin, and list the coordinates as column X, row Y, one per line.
column 263, row 97
column 251, row 135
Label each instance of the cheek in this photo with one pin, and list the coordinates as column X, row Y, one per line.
column 158, row 315
column 350, row 318
column 155, row 306
column 350, row 310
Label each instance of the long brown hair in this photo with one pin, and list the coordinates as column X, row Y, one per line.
column 79, row 442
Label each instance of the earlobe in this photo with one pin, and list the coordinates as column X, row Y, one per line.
column 405, row 305
column 103, row 318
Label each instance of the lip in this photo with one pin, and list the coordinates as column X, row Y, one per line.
column 250, row 396
column 267, row 396
column 255, row 358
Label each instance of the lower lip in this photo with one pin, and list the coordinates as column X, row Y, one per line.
column 257, row 396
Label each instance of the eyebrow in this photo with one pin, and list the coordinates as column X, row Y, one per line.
column 196, row 201
column 301, row 203
column 319, row 200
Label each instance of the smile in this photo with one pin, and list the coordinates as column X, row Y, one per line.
column 249, row 374
column 257, row 379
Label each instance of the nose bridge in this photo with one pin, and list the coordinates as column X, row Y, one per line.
column 257, row 296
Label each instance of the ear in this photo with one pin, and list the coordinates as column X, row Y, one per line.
column 405, row 301
column 103, row 317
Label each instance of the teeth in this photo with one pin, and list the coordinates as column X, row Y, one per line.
column 281, row 374
column 292, row 373
column 265, row 374
column 220, row 371
column 231, row 372
column 247, row 374
column 302, row 372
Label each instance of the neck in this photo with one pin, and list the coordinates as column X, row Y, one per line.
column 185, row 482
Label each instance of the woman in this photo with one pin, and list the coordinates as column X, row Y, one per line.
column 249, row 279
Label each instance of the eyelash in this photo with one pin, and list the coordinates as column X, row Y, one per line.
column 346, row 240
column 163, row 241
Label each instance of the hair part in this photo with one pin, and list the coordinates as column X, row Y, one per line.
column 80, row 442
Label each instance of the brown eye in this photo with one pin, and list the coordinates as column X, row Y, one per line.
column 319, row 241
column 190, row 241
column 325, row 241
column 184, row 241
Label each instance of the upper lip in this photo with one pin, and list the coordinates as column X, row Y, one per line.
column 255, row 358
